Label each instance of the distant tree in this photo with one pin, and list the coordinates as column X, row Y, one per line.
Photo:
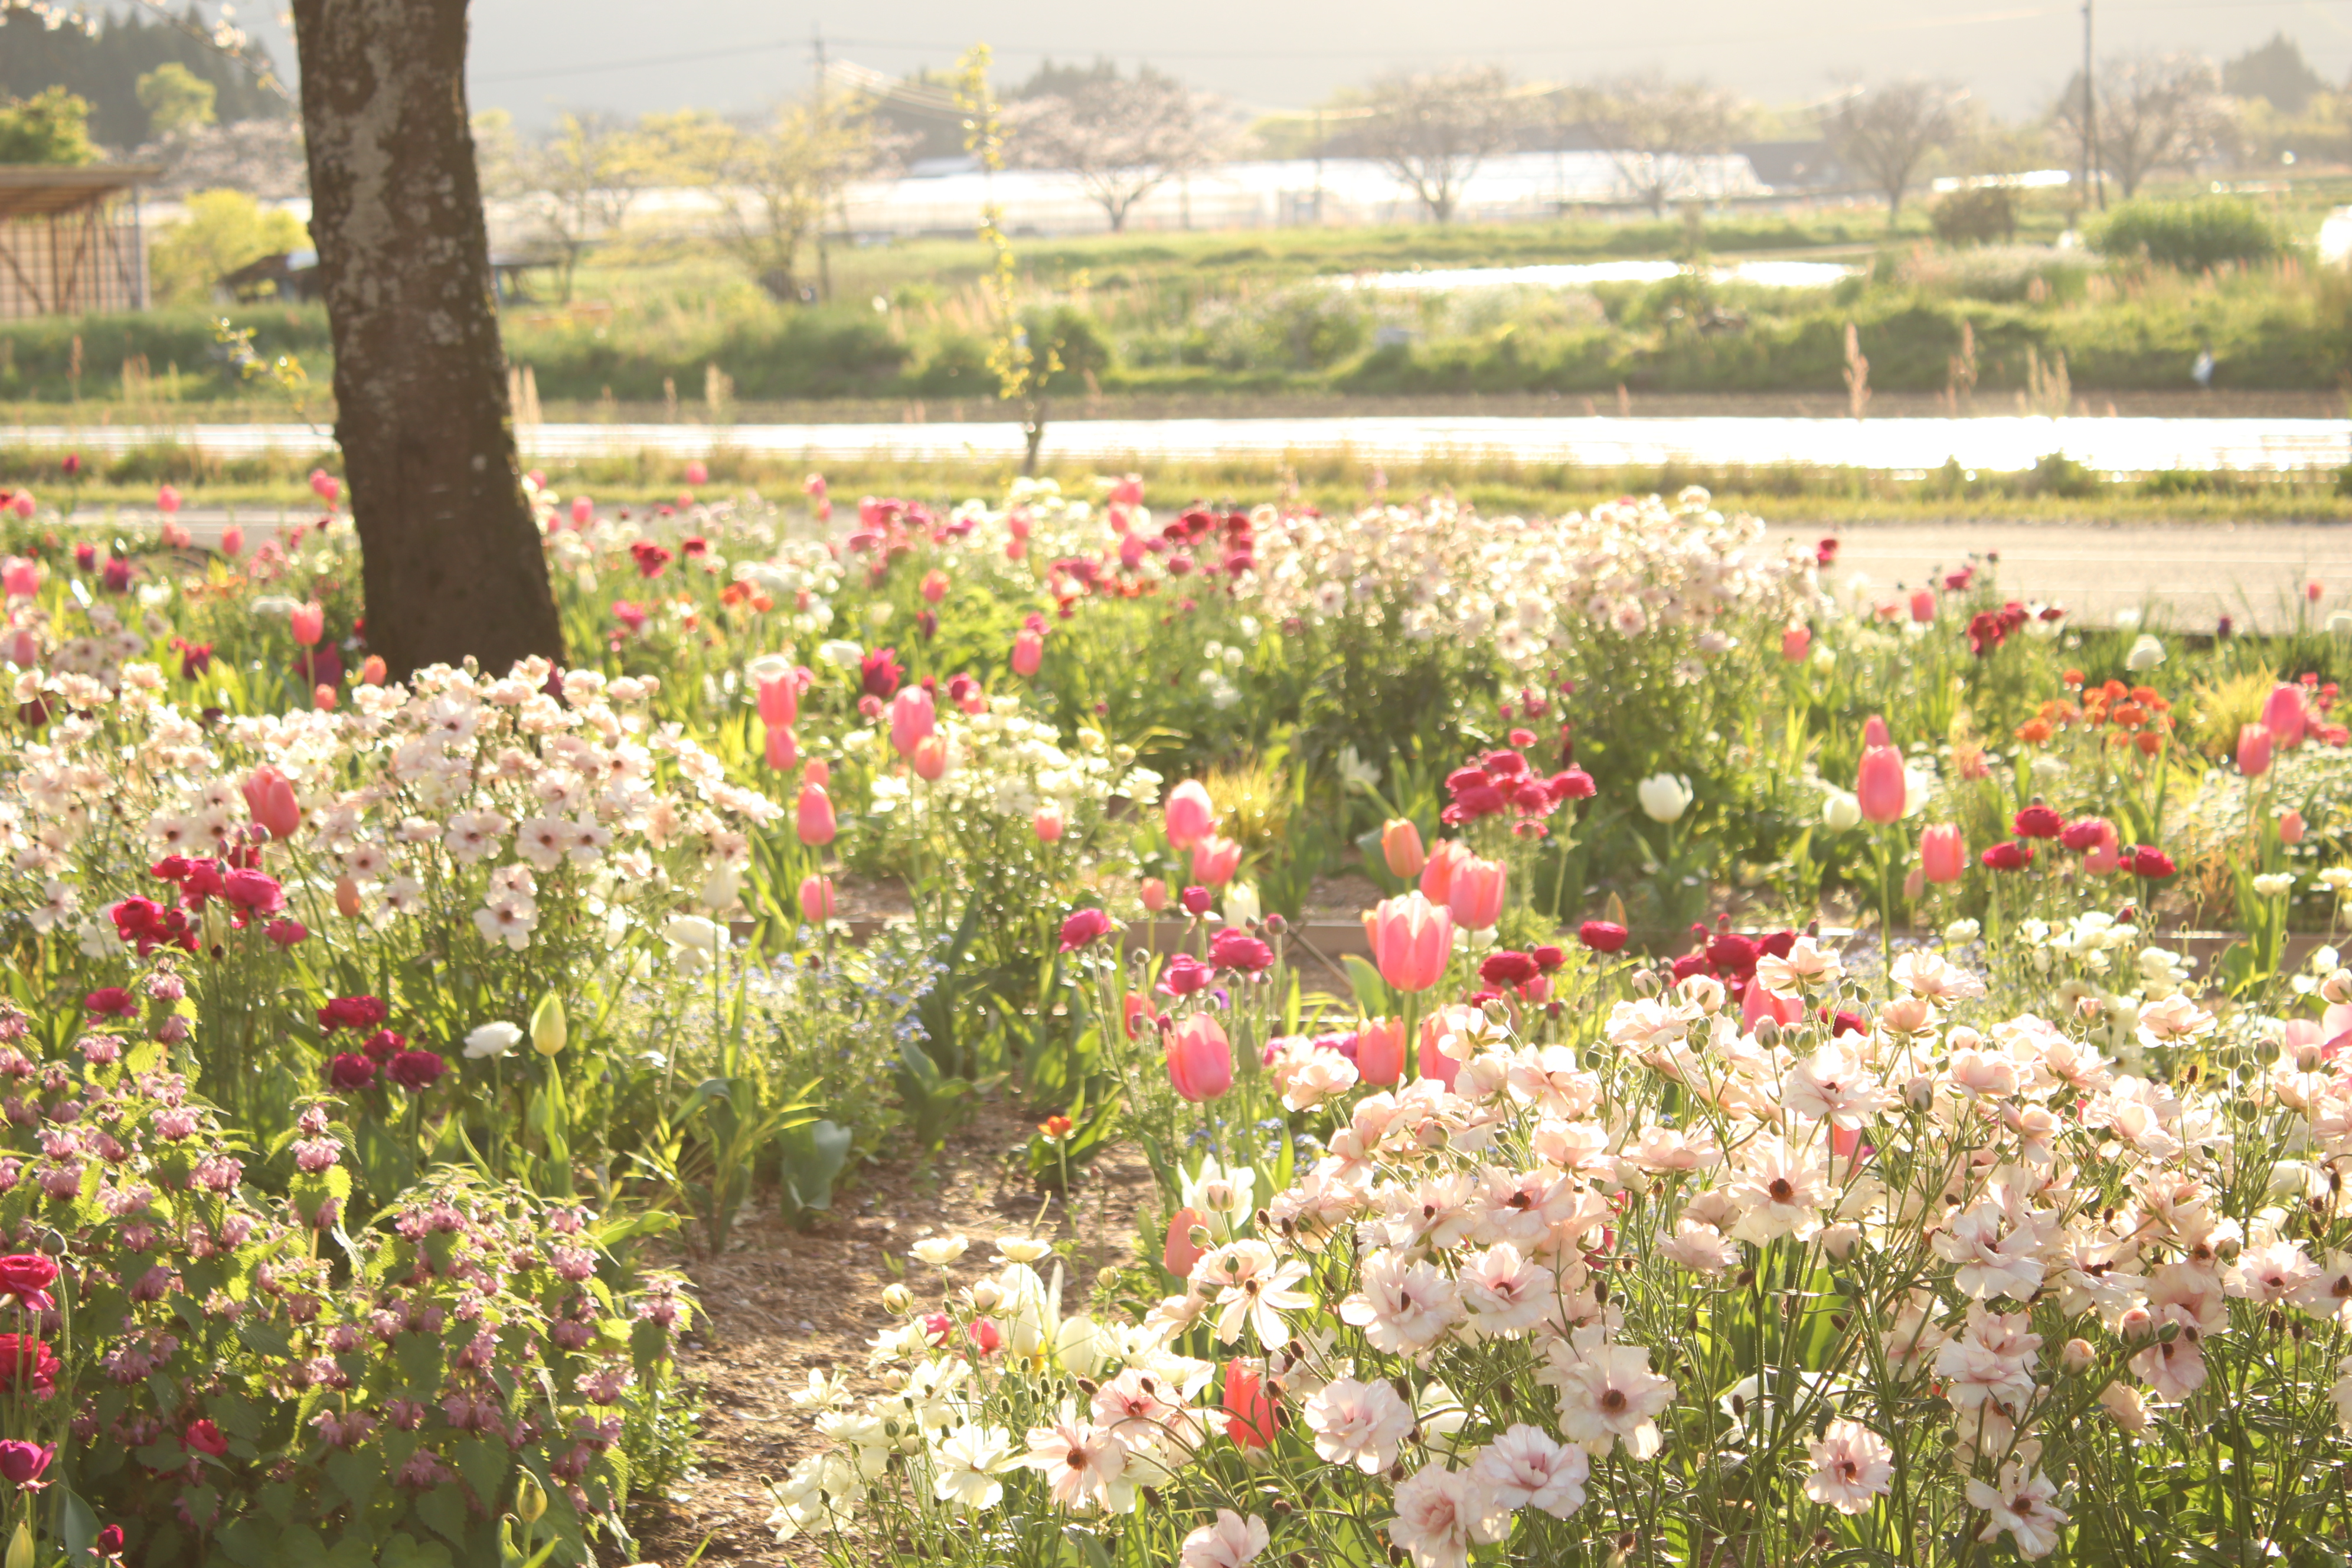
column 263, row 158
column 577, row 184
column 1657, row 132
column 1052, row 81
column 772, row 179
column 2276, row 73
column 1432, row 130
column 223, row 230
column 2152, row 112
column 1122, row 138
column 101, row 58
column 1884, row 133
column 50, row 127
column 177, row 100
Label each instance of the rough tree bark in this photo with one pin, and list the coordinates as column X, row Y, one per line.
column 450, row 556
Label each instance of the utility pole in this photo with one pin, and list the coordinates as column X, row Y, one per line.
column 823, row 143
column 2093, row 179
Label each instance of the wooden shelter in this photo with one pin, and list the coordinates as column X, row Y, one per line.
column 70, row 242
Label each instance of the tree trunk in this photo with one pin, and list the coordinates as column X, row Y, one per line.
column 451, row 558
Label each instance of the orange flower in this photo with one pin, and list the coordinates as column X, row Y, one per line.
column 2130, row 713
column 1055, row 1128
column 2034, row 732
column 2149, row 741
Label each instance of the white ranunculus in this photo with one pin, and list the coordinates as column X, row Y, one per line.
column 1664, row 797
column 693, row 931
column 493, row 1040
column 2146, row 654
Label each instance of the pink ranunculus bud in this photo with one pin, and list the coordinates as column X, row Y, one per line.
column 310, row 624
column 1190, row 815
column 814, row 815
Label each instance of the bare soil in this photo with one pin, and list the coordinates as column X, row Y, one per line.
column 783, row 1302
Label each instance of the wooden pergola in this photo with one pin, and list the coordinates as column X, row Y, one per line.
column 71, row 241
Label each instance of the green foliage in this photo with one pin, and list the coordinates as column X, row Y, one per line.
column 104, row 66
column 223, row 230
column 177, row 100
column 52, row 126
column 1974, row 216
column 2190, row 236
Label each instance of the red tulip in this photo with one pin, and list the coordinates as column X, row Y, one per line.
column 1943, row 855
column 1923, row 606
column 1880, row 786
column 1252, row 1415
column 1200, row 1058
column 1412, row 941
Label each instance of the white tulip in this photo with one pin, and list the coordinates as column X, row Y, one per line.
column 1842, row 811
column 1664, row 796
column 493, row 1040
column 2146, row 654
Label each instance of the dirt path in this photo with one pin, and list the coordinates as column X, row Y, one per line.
column 783, row 1302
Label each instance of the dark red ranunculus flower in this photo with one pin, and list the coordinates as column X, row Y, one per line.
column 1084, row 928
column 111, row 1002
column 2038, row 821
column 353, row 1013
column 2015, row 856
column 1602, row 936
column 1508, row 968
column 2150, row 863
column 417, row 1070
column 1234, row 948
column 350, row 1070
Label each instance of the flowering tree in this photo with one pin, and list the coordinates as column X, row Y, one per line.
column 1433, row 129
column 1656, row 130
column 2151, row 112
column 1122, row 138
column 451, row 556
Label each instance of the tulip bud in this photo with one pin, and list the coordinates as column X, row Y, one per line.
column 347, row 898
column 547, row 1025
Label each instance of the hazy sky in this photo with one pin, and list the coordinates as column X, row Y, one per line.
column 534, row 56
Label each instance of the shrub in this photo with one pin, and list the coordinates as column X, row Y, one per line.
column 1974, row 217
column 2190, row 235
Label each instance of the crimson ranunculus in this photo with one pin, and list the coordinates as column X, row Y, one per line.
column 1084, row 928
column 350, row 1070
column 384, row 1045
column 1508, row 968
column 111, row 1002
column 1572, row 784
column 2015, row 856
column 1235, row 949
column 417, row 1070
column 1184, row 975
column 1548, row 958
column 1602, row 936
column 205, row 1438
column 25, row 1363
column 2151, row 864
column 353, row 1013
column 255, row 892
column 28, row 1276
column 2038, row 821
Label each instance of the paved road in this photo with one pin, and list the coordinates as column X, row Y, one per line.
column 2185, row 577
column 1993, row 444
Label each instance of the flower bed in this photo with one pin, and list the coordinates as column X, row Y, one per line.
column 1770, row 1108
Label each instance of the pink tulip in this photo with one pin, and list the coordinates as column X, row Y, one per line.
column 1914, row 883
column 23, row 505
column 310, row 623
column 175, row 536
column 1127, row 491
column 1757, row 1002
column 1943, row 854
column 1179, row 1253
column 1132, row 550
column 1796, row 643
column 1048, row 823
column 1476, row 897
column 1401, row 847
column 1923, row 606
column 1214, row 861
column 1028, row 652
column 934, row 587
column 270, row 796
column 583, row 511
column 1412, row 941
column 2291, row 828
column 1873, row 733
column 2283, row 716
column 911, row 719
column 815, row 816
column 931, row 758
column 697, row 472
column 167, row 501
column 1190, row 815
column 1380, row 1051
column 1200, row 1058
column 783, row 748
column 1437, row 873
column 1880, row 786
column 20, row 577
column 819, row 772
column 24, row 648
column 1154, row 894
column 325, row 486
column 780, row 699
column 232, row 541
column 816, row 898
column 2253, row 750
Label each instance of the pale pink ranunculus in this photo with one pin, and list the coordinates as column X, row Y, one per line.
column 1359, row 1423
column 1441, row 1514
column 1232, row 1541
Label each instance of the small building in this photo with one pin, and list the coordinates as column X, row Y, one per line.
column 289, row 277
column 70, row 242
